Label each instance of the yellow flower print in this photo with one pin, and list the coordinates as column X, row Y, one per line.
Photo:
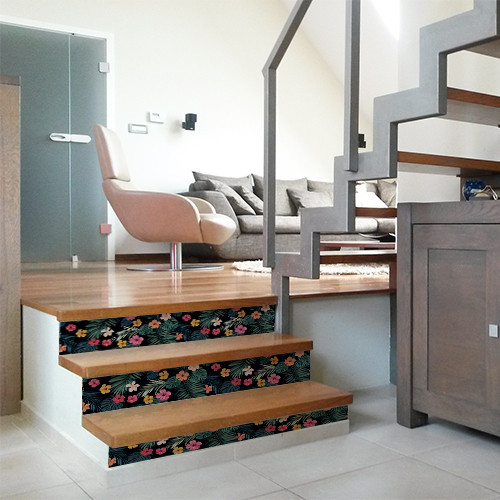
column 195, row 322
column 177, row 450
column 241, row 314
column 228, row 333
column 259, row 423
column 163, row 375
column 122, row 343
column 105, row 389
column 132, row 446
column 225, row 372
column 274, row 360
column 296, row 427
column 261, row 382
column 137, row 322
column 148, row 400
column 81, row 333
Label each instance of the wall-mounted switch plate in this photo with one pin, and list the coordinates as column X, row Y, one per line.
column 157, row 117
column 493, row 331
column 135, row 128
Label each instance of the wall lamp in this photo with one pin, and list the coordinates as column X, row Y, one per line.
column 190, row 122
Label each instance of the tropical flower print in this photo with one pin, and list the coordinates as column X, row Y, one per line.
column 193, row 445
column 184, row 382
column 310, row 422
column 135, row 331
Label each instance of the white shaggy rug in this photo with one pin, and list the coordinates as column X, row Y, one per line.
column 255, row 266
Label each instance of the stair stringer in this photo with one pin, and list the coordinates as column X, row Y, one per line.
column 464, row 31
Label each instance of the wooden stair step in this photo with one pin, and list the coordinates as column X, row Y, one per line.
column 358, row 257
column 156, row 422
column 138, row 359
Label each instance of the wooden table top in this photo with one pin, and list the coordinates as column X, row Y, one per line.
column 95, row 290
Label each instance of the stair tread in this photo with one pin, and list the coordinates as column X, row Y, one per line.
column 151, row 423
column 136, row 359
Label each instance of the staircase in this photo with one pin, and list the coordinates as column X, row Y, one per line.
column 192, row 390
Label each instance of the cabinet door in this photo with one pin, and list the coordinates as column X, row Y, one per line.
column 456, row 369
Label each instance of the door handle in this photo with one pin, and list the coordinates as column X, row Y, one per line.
column 79, row 138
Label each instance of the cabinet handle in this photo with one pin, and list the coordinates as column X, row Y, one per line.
column 78, row 138
column 493, row 331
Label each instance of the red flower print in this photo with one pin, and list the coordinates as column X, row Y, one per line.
column 270, row 428
column 282, row 428
column 205, row 331
column 62, row 348
column 94, row 342
column 146, row 451
column 163, row 395
column 215, row 367
column 273, row 379
column 71, row 328
column 154, row 324
column 193, row 445
column 131, row 399
column 136, row 340
column 240, row 329
column 237, row 309
column 216, row 331
column 236, row 381
column 186, row 317
column 182, row 375
column 107, row 342
column 94, row 382
column 130, row 318
column 248, row 381
column 119, row 398
column 161, row 451
column 310, row 422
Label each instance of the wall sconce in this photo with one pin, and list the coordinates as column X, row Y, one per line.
column 190, row 121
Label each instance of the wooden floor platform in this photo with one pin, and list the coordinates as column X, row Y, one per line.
column 107, row 289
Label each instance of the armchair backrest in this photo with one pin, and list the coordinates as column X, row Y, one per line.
column 110, row 154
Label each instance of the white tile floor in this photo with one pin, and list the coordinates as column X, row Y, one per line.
column 378, row 459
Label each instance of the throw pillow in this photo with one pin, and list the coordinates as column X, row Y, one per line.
column 252, row 199
column 230, row 181
column 387, row 190
column 319, row 186
column 308, row 199
column 370, row 200
column 240, row 206
column 284, row 205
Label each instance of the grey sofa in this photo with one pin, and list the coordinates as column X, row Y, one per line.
column 241, row 199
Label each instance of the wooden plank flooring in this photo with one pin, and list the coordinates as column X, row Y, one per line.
column 106, row 289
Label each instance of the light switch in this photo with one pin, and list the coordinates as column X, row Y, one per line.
column 493, row 331
column 135, row 128
column 157, row 117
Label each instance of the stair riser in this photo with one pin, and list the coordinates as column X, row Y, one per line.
column 186, row 382
column 134, row 331
column 209, row 439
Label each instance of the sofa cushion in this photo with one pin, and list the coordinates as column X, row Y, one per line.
column 230, row 181
column 319, row 186
column 255, row 224
column 251, row 198
column 369, row 199
column 284, row 205
column 240, row 206
column 307, row 199
column 387, row 191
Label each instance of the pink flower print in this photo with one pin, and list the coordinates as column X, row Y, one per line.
column 216, row 331
column 205, row 331
column 256, row 315
column 299, row 354
column 193, row 368
column 71, row 328
column 136, row 340
column 215, row 367
column 273, row 379
column 182, row 375
column 133, row 386
column 310, row 422
column 154, row 324
column 289, row 361
column 107, row 332
column 129, row 318
column 107, row 342
column 131, row 399
column 247, row 381
column 240, row 329
column 146, row 451
column 282, row 419
column 282, row 428
column 161, row 451
column 265, row 308
column 163, row 395
column 248, row 370
column 165, row 317
column 270, row 428
column 237, row 309
column 119, row 398
column 94, row 342
column 236, row 381
column 186, row 317
column 94, row 382
column 217, row 321
column 193, row 445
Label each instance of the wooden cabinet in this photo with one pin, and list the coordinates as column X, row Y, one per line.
column 448, row 296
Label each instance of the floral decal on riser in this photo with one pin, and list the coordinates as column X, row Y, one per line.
column 134, row 331
column 173, row 384
column 202, row 440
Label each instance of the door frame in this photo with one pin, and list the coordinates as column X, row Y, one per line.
column 110, row 82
